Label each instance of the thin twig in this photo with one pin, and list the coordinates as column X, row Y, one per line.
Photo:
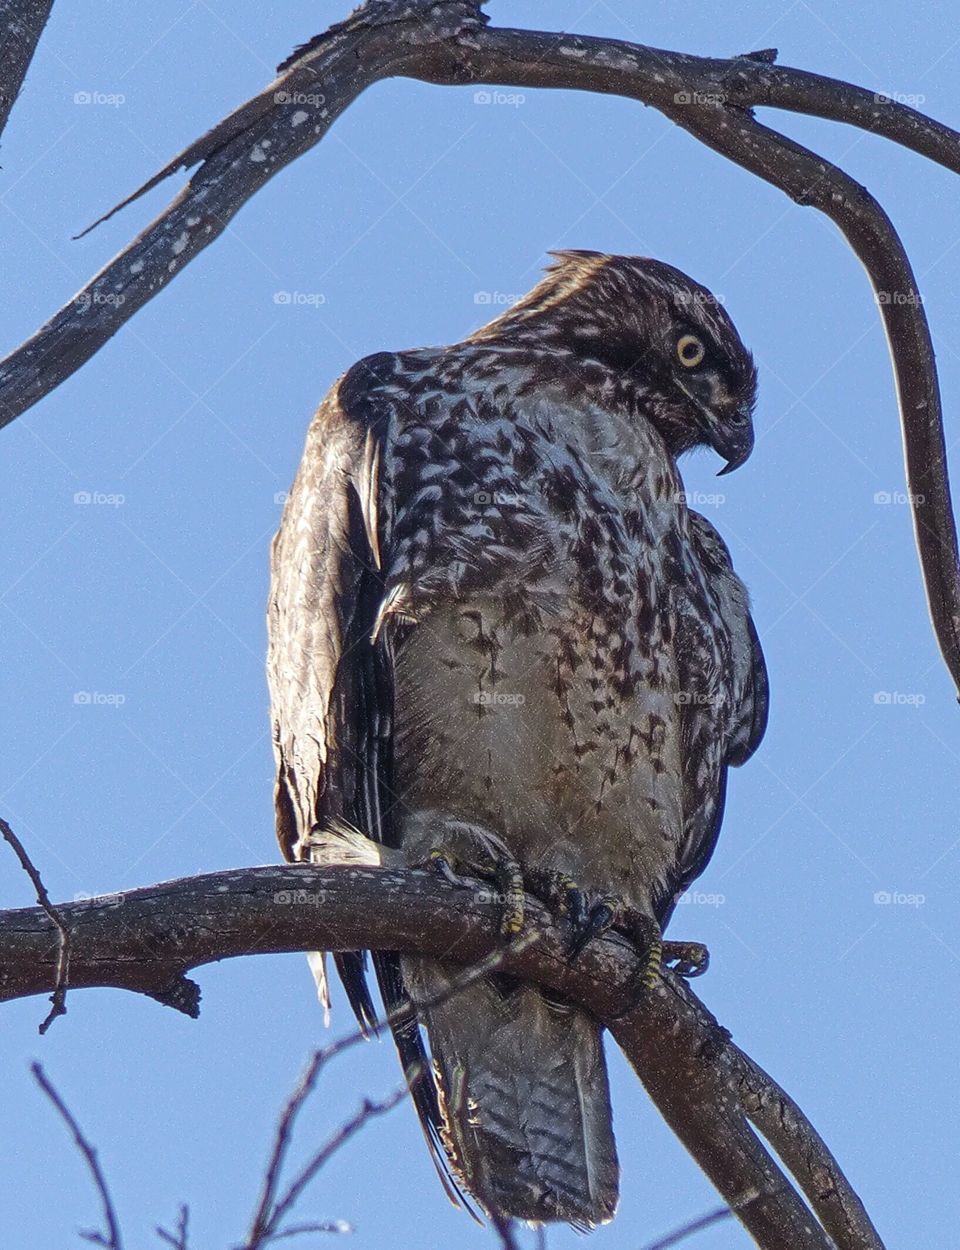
column 112, row 1240
column 687, row 1230
column 369, row 1109
column 178, row 1238
column 58, row 998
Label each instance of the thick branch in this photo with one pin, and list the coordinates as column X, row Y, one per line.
column 21, row 25
column 146, row 940
column 446, row 41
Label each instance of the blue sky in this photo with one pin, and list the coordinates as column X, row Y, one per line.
column 149, row 598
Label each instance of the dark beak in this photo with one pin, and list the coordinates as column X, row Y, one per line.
column 734, row 443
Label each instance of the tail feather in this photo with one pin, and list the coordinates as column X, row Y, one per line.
column 524, row 1096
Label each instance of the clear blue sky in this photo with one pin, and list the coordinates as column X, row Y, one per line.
column 195, row 415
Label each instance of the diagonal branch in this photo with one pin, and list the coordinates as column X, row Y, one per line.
column 146, row 939
column 21, row 25
column 111, row 1239
column 448, row 42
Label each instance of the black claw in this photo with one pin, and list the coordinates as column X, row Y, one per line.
column 575, row 906
column 441, row 865
column 590, row 925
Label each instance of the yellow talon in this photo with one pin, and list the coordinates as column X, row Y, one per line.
column 653, row 956
column 511, row 883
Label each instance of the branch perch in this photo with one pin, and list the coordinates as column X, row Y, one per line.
column 146, row 940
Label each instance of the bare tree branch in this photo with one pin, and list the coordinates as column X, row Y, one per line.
column 803, row 1150
column 21, row 25
column 146, row 940
column 58, row 998
column 447, row 42
column 112, row 1239
column 267, row 1222
column 178, row 1238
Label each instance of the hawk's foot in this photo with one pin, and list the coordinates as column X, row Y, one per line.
column 686, row 959
column 471, row 875
column 587, row 916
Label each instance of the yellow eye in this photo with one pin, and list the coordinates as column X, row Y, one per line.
column 690, row 351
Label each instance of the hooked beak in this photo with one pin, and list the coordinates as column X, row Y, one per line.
column 735, row 445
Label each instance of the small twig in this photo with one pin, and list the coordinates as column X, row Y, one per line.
column 687, row 1230
column 265, row 1217
column 177, row 1239
column 369, row 1109
column 112, row 1240
column 58, row 998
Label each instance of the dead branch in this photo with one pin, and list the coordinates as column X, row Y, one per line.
column 179, row 1237
column 448, row 42
column 802, row 1149
column 21, row 25
column 112, row 1239
column 147, row 940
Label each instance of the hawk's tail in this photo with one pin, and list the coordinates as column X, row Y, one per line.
column 523, row 1088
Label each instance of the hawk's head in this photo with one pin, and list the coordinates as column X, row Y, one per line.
column 662, row 336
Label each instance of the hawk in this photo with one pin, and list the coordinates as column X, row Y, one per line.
column 501, row 640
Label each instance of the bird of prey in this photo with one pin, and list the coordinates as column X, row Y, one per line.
column 500, row 640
